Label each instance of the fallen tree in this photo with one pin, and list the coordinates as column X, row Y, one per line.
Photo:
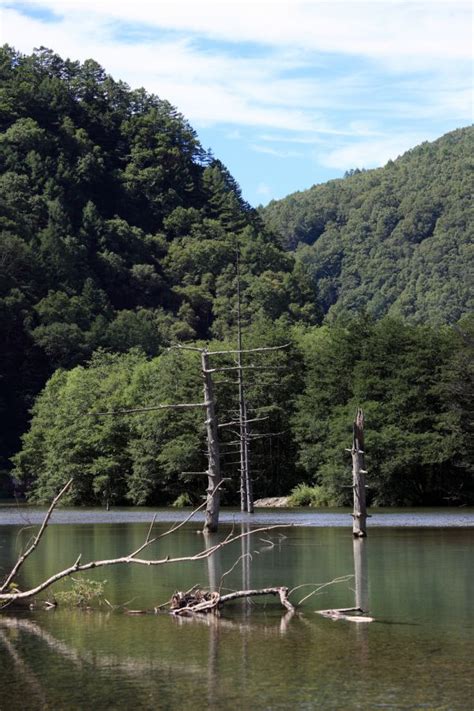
column 10, row 592
column 207, row 601
column 194, row 601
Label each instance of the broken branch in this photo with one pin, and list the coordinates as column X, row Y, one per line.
column 11, row 576
column 200, row 601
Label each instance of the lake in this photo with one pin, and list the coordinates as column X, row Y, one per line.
column 414, row 573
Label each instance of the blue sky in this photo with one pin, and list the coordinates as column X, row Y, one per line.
column 287, row 93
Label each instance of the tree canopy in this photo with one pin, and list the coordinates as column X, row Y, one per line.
column 397, row 240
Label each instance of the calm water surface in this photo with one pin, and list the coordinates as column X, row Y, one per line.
column 417, row 579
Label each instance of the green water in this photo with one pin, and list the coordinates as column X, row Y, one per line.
column 417, row 582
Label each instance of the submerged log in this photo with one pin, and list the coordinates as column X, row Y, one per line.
column 199, row 601
column 343, row 613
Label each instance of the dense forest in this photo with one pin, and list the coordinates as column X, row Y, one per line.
column 121, row 235
column 397, row 240
column 117, row 229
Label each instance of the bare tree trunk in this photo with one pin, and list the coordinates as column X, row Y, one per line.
column 359, row 516
column 246, row 489
column 213, row 454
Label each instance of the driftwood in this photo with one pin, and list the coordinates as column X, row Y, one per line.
column 343, row 613
column 199, row 601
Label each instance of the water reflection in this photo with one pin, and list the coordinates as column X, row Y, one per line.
column 361, row 580
column 421, row 579
column 361, row 574
column 214, row 562
column 23, row 669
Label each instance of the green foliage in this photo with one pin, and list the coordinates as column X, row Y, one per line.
column 399, row 374
column 134, row 458
column 182, row 500
column 413, row 382
column 396, row 240
column 305, row 495
column 83, row 592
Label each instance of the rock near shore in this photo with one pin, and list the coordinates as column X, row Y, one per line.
column 273, row 501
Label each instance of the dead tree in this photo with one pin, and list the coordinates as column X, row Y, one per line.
column 359, row 516
column 243, row 421
column 199, row 601
column 213, row 453
column 213, row 471
column 246, row 487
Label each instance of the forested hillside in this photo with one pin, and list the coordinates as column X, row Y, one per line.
column 117, row 229
column 120, row 235
column 396, row 240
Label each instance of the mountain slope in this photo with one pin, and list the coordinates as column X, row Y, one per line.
column 395, row 240
column 116, row 228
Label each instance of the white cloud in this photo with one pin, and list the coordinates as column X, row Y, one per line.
column 345, row 72
column 393, row 29
column 370, row 153
column 275, row 152
column 264, row 190
column 214, row 85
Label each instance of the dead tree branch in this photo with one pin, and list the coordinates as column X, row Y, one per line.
column 250, row 350
column 343, row 613
column 130, row 558
column 232, row 423
column 11, row 576
column 180, row 406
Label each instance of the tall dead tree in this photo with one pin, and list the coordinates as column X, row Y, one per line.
column 359, row 515
column 246, row 487
column 243, row 421
column 213, row 452
column 213, row 471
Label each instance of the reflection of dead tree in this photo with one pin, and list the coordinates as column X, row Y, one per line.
column 125, row 664
column 358, row 613
column 361, row 574
column 15, row 595
column 24, row 670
